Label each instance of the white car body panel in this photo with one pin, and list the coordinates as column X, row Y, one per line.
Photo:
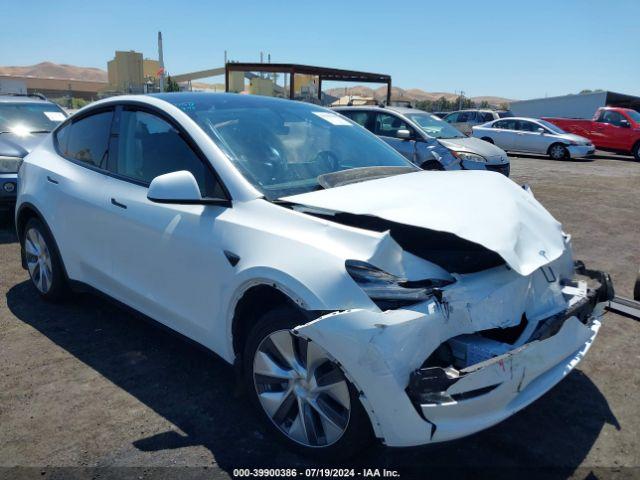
column 169, row 262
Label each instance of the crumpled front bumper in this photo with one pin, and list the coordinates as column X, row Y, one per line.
column 382, row 353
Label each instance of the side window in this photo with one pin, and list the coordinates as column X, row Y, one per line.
column 614, row 118
column 472, row 116
column 452, row 118
column 360, row 117
column 388, row 125
column 486, row 117
column 499, row 125
column 506, row 124
column 148, row 146
column 87, row 139
column 526, row 126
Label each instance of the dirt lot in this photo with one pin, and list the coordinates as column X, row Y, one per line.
column 87, row 384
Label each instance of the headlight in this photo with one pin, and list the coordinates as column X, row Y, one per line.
column 388, row 291
column 470, row 157
column 10, row 164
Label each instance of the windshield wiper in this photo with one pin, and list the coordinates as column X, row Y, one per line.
column 360, row 174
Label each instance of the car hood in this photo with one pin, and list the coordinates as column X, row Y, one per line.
column 481, row 207
column 12, row 145
column 475, row 145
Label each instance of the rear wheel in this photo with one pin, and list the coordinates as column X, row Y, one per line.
column 300, row 392
column 43, row 261
column 557, row 151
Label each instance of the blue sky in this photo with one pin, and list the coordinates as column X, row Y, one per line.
column 505, row 48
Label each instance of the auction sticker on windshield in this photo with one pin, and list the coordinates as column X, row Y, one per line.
column 332, row 118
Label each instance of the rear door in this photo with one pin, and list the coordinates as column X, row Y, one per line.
column 504, row 134
column 77, row 185
column 167, row 260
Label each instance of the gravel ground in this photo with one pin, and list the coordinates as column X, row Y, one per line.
column 88, row 384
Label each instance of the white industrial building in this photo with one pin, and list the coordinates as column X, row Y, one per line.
column 573, row 106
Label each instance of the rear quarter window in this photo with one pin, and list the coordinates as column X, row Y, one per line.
column 87, row 139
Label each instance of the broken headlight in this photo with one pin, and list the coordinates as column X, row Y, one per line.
column 389, row 291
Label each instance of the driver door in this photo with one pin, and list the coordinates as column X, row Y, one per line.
column 166, row 259
column 386, row 126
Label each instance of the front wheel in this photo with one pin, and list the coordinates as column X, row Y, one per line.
column 636, row 152
column 300, row 392
column 43, row 261
column 558, row 151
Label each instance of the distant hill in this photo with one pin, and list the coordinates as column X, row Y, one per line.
column 412, row 94
column 54, row 70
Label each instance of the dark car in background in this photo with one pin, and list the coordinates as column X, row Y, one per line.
column 24, row 121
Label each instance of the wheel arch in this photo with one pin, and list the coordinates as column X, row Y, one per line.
column 25, row 212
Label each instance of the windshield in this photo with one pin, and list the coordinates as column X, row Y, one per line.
column 551, row 126
column 26, row 117
column 434, row 126
column 635, row 116
column 283, row 147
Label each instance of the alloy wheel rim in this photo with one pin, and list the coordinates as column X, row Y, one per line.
column 38, row 260
column 557, row 152
column 301, row 390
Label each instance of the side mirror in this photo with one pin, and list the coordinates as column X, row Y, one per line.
column 175, row 187
column 625, row 124
column 541, row 131
column 404, row 134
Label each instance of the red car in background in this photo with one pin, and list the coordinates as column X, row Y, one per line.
column 612, row 129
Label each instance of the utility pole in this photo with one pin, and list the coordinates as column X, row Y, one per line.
column 460, row 99
column 160, row 62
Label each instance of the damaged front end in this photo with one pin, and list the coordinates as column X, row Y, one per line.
column 476, row 352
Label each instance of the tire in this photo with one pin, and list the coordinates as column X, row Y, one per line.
column 432, row 165
column 636, row 152
column 487, row 139
column 343, row 428
column 557, row 151
column 636, row 288
column 42, row 256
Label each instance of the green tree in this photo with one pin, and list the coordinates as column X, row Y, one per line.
column 172, row 85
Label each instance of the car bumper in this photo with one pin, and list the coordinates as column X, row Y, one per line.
column 8, row 190
column 577, row 151
column 382, row 354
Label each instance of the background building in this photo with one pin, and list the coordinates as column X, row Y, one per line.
column 126, row 72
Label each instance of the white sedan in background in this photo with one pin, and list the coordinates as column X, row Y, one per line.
column 532, row 135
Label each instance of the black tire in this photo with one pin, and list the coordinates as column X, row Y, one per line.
column 636, row 151
column 357, row 433
column 432, row 165
column 487, row 139
column 57, row 285
column 557, row 151
column 636, row 288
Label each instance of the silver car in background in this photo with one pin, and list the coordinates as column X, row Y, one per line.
column 416, row 134
column 465, row 120
column 531, row 135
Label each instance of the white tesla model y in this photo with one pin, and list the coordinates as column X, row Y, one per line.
column 360, row 296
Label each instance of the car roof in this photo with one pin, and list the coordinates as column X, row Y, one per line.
column 20, row 98
column 528, row 119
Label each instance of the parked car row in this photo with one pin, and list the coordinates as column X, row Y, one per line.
column 24, row 122
column 359, row 296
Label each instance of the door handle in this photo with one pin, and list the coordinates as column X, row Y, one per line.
column 118, row 204
column 52, row 180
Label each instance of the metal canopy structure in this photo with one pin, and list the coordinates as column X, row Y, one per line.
column 323, row 73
